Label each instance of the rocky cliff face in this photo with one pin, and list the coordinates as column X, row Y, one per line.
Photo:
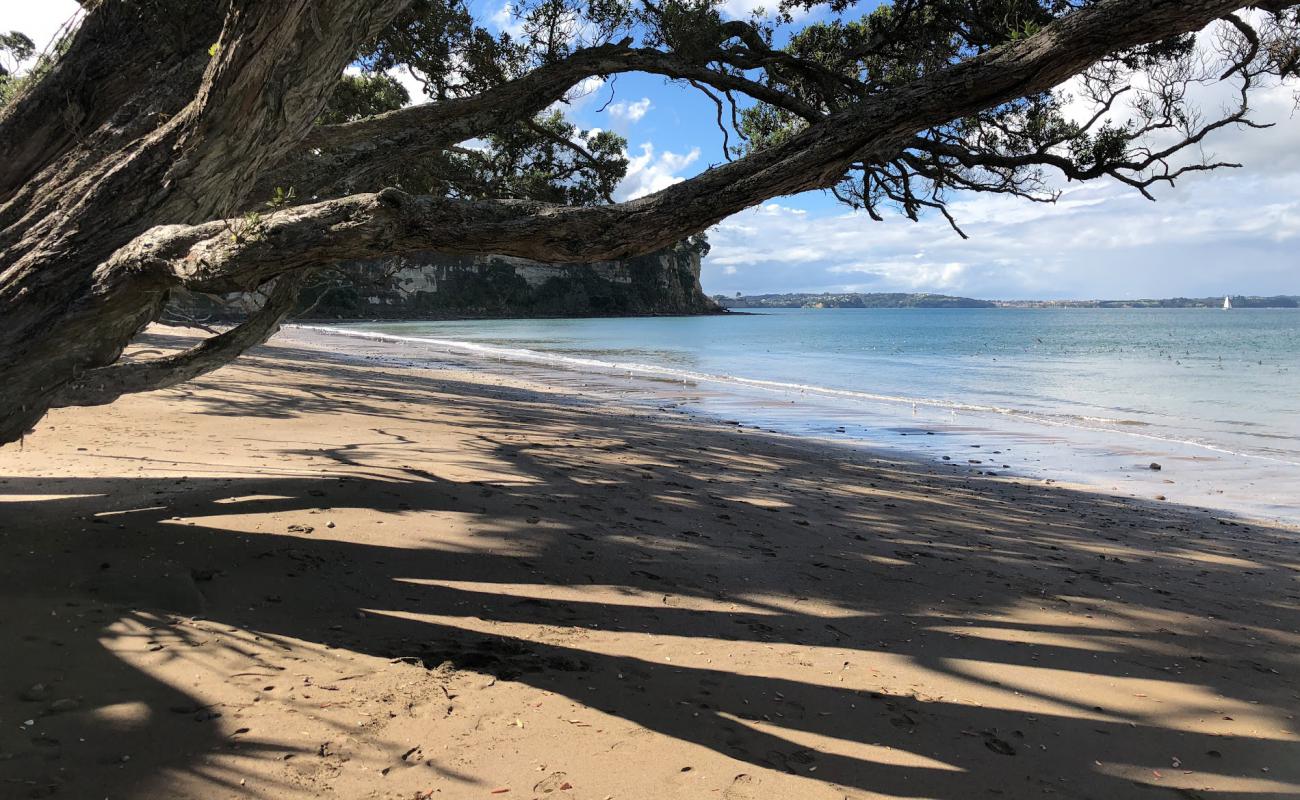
column 435, row 286
column 428, row 285
column 431, row 286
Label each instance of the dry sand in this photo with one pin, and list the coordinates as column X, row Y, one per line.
column 301, row 577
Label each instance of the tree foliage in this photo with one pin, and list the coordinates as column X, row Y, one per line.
column 15, row 48
column 545, row 157
column 359, row 96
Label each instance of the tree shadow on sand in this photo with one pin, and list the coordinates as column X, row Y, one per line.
column 932, row 578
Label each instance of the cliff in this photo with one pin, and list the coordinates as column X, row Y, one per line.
column 851, row 300
column 435, row 286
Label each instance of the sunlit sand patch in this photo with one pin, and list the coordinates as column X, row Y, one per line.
column 1031, row 614
column 884, row 561
column 1164, row 776
column 832, row 746
column 758, row 502
column 820, row 607
column 654, row 543
column 1032, row 637
column 1169, row 554
column 603, row 594
column 251, row 498
column 38, row 498
column 162, row 468
column 123, row 716
column 1121, row 616
column 1171, row 705
column 278, row 522
column 1109, row 549
column 1218, row 559
column 681, row 502
column 123, row 511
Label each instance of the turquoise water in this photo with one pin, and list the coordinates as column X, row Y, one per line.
column 1087, row 392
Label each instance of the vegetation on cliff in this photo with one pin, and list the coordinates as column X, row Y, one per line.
column 851, row 300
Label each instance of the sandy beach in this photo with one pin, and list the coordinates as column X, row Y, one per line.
column 304, row 576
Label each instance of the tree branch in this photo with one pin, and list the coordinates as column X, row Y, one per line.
column 106, row 384
column 873, row 130
column 345, row 158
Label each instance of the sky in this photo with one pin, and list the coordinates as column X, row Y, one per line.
column 1229, row 232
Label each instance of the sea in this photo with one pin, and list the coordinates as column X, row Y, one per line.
column 1193, row 406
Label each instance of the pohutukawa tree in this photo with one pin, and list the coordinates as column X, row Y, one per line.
column 231, row 145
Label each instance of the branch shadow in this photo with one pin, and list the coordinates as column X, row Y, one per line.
column 1026, row 591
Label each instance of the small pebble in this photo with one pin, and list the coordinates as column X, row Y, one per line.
column 35, row 693
column 65, row 704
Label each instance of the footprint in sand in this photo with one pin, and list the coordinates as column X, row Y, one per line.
column 743, row 787
column 556, row 781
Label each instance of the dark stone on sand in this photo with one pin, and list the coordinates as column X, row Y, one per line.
column 35, row 693
column 64, row 704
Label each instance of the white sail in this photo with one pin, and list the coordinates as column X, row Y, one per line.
column 1227, row 302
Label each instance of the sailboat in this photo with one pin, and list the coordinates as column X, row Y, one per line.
column 1227, row 302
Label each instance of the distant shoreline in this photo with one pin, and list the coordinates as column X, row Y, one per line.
column 900, row 300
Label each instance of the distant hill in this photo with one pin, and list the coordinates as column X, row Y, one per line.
column 1277, row 301
column 851, row 300
column 903, row 300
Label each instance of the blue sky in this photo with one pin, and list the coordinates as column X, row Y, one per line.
column 1230, row 232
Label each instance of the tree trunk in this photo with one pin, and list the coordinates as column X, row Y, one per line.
column 266, row 82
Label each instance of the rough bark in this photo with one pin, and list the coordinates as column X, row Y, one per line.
column 120, row 47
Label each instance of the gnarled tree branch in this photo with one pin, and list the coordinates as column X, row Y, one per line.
column 104, row 385
column 352, row 156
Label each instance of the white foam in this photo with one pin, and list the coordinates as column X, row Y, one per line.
column 555, row 359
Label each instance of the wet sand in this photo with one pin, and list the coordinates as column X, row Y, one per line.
column 1112, row 455
column 303, row 576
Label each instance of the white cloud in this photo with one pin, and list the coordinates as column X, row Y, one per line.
column 589, row 85
column 1227, row 231
column 630, row 111
column 909, row 274
column 505, row 20
column 1219, row 233
column 579, row 96
column 744, row 9
column 410, row 83
column 651, row 172
column 776, row 209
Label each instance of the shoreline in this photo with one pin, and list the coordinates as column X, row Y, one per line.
column 311, row 576
column 1047, row 449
